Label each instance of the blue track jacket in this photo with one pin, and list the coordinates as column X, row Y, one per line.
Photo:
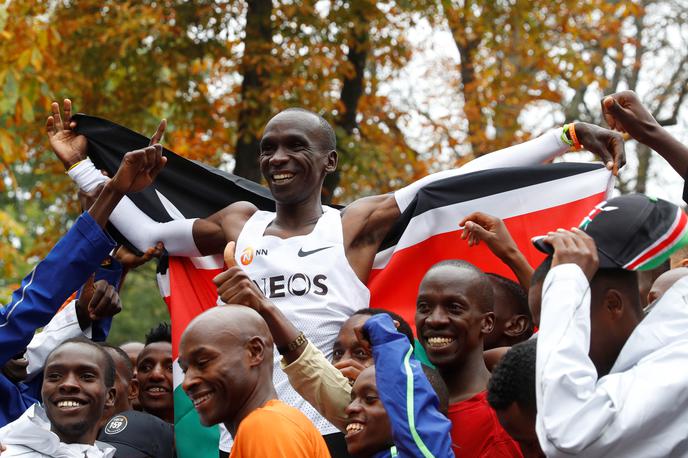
column 418, row 427
column 76, row 256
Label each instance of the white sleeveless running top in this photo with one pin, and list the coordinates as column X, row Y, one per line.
column 309, row 278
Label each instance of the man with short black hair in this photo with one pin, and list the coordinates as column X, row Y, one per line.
column 453, row 316
column 154, row 373
column 511, row 392
column 126, row 385
column 596, row 360
column 78, row 384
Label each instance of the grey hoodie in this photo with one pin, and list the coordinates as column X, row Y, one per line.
column 29, row 436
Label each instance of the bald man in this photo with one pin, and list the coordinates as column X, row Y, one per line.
column 663, row 283
column 226, row 354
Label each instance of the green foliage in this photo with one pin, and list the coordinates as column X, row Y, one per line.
column 142, row 307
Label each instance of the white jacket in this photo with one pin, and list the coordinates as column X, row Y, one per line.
column 29, row 436
column 640, row 409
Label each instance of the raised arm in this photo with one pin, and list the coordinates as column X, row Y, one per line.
column 607, row 145
column 178, row 236
column 76, row 256
column 480, row 226
column 624, row 112
column 572, row 411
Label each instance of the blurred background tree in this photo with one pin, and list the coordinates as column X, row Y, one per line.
column 411, row 86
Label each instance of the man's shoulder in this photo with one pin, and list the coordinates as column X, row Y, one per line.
column 290, row 431
column 239, row 209
column 20, row 450
column 279, row 415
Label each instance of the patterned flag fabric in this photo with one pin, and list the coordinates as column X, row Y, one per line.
column 531, row 200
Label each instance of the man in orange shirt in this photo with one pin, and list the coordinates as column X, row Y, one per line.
column 226, row 356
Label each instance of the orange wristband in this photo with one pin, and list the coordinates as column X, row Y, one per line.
column 574, row 138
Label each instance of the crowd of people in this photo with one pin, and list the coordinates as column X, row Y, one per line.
column 574, row 357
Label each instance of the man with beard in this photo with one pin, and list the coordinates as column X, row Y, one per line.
column 453, row 316
column 77, row 386
column 226, row 356
column 154, row 373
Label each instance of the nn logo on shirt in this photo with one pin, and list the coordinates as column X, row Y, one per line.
column 249, row 253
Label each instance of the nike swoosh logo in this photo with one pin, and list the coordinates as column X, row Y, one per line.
column 303, row 254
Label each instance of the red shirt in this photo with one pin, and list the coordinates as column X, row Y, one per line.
column 476, row 432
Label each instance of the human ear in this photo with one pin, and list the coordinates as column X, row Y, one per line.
column 256, row 350
column 516, row 325
column 613, row 302
column 487, row 323
column 110, row 397
column 332, row 160
column 133, row 389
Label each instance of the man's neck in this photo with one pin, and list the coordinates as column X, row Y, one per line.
column 263, row 393
column 466, row 378
column 299, row 218
column 86, row 438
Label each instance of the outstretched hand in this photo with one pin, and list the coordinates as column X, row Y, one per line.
column 574, row 247
column 624, row 112
column 606, row 144
column 69, row 147
column 235, row 287
column 138, row 169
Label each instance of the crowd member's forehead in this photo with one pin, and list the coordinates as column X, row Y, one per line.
column 133, row 349
column 225, row 326
column 77, row 352
column 365, row 380
column 346, row 332
column 123, row 367
column 457, row 280
column 155, row 350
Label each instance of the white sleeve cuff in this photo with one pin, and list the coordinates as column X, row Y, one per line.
column 86, row 176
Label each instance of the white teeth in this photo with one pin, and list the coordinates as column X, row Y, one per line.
column 68, row 404
column 354, row 427
column 198, row 401
column 156, row 389
column 282, row 176
column 439, row 341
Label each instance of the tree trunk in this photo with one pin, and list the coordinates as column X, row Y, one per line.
column 352, row 90
column 255, row 108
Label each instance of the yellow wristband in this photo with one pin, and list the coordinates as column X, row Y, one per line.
column 75, row 164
